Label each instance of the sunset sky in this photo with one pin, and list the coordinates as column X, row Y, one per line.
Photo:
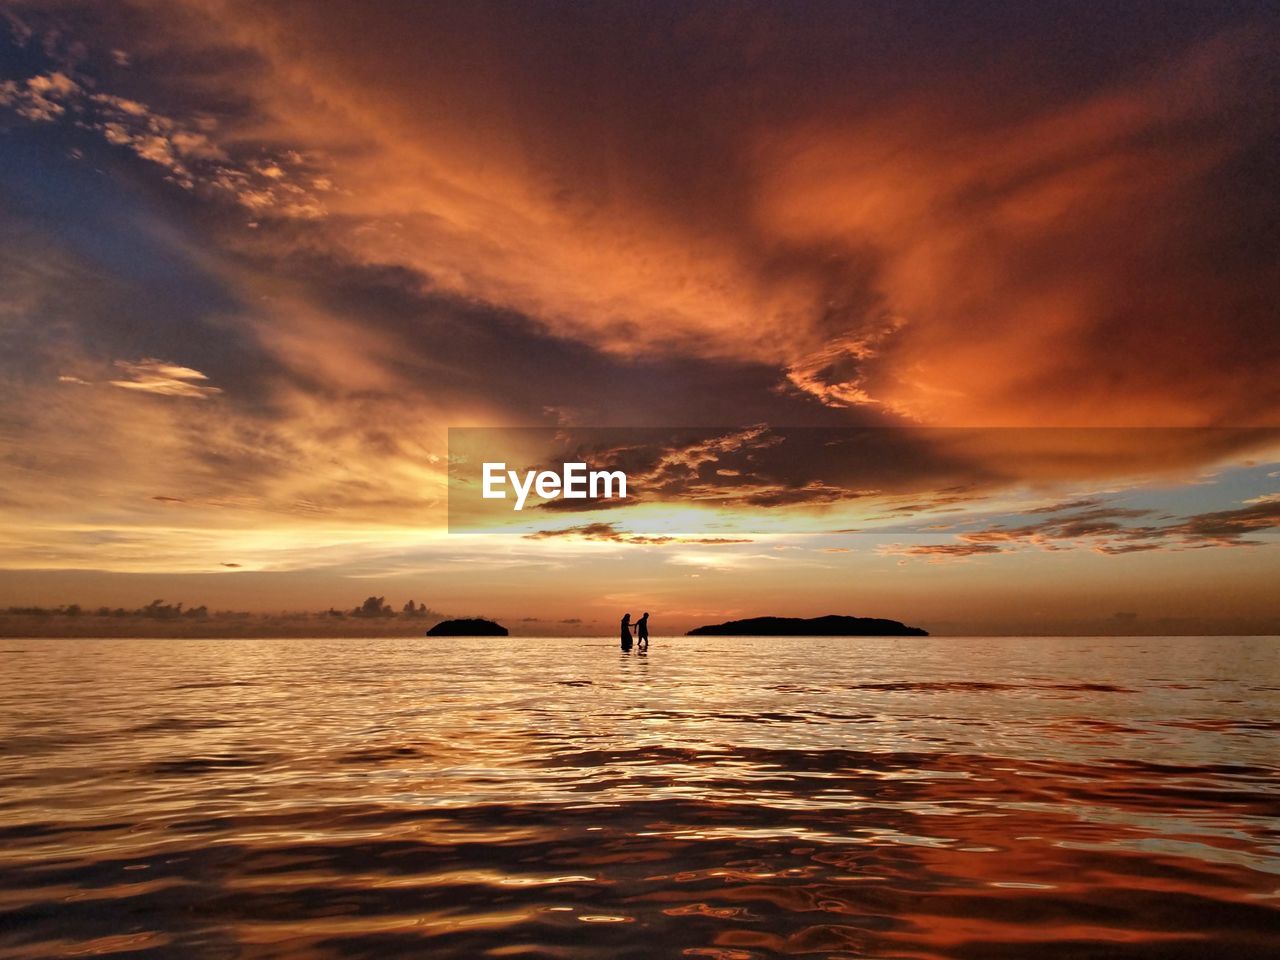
column 256, row 260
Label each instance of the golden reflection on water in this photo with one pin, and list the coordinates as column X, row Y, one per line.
column 720, row 798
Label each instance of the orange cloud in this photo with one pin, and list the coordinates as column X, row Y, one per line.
column 949, row 258
column 165, row 379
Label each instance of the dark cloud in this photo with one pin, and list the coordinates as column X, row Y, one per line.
column 881, row 473
column 1228, row 527
column 609, row 532
column 943, row 550
column 1111, row 531
column 1067, row 505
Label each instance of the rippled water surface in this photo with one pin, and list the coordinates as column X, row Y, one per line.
column 718, row 798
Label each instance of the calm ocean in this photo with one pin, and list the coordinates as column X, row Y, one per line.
column 716, row 798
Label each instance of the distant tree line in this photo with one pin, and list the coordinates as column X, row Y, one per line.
column 155, row 610
column 372, row 607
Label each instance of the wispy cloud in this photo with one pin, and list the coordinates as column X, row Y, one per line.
column 164, row 379
column 941, row 551
column 609, row 532
column 1111, row 531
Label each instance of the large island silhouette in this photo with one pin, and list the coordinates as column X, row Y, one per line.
column 467, row 627
column 828, row 626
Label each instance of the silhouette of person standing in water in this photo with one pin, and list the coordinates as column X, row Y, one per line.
column 642, row 631
column 626, row 631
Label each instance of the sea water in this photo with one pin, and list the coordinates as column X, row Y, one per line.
column 721, row 798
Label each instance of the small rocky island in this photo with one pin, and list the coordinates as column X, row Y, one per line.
column 828, row 626
column 473, row 627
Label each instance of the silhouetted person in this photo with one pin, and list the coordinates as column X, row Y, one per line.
column 626, row 631
column 642, row 631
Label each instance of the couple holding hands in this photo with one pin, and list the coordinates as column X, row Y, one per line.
column 641, row 628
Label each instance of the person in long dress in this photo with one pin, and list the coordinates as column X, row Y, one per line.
column 642, row 631
column 626, row 631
